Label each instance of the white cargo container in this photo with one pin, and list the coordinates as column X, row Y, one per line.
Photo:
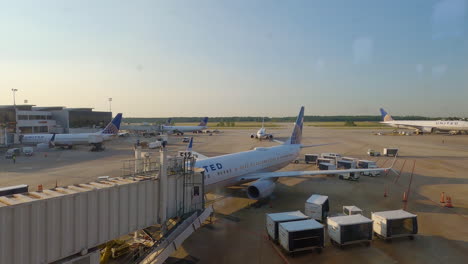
column 272, row 221
column 324, row 160
column 351, row 210
column 368, row 164
column 396, row 223
column 301, row 235
column 317, row 207
column 349, row 229
column 311, row 158
column 390, row 151
column 326, row 166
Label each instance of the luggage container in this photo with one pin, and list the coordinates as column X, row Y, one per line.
column 317, row 207
column 351, row 210
column 396, row 223
column 350, row 176
column 368, row 164
column 311, row 158
column 326, row 166
column 345, row 164
column 350, row 159
column 390, row 152
column 301, row 235
column 349, row 229
column 324, row 160
column 272, row 221
column 334, row 155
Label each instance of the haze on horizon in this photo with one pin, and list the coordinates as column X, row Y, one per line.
column 238, row 58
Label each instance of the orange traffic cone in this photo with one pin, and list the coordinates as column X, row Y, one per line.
column 448, row 203
column 405, row 197
column 39, row 188
column 442, row 197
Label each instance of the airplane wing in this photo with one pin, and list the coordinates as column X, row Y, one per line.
column 281, row 174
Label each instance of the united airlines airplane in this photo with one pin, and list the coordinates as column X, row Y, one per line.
column 261, row 133
column 182, row 129
column 258, row 165
column 69, row 140
column 426, row 126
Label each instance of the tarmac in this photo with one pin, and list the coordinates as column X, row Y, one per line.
column 429, row 165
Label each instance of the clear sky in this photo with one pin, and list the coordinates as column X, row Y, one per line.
column 243, row 57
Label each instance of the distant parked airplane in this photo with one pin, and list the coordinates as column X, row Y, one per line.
column 183, row 129
column 261, row 133
column 69, row 140
column 426, row 126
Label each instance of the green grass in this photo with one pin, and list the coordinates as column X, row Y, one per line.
column 239, row 125
column 342, row 125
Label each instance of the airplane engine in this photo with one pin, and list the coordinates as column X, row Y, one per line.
column 270, row 136
column 428, row 129
column 260, row 189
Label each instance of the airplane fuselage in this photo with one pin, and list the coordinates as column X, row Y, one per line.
column 183, row 129
column 429, row 125
column 227, row 170
column 62, row 139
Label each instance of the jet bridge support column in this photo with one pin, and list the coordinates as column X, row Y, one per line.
column 163, row 187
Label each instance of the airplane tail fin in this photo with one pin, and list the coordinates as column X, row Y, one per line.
column 385, row 115
column 168, row 122
column 52, row 141
column 296, row 135
column 113, row 127
column 190, row 144
column 204, row 121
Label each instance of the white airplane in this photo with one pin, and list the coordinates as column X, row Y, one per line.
column 69, row 140
column 426, row 126
column 183, row 129
column 261, row 133
column 258, row 165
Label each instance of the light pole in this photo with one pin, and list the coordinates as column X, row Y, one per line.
column 14, row 98
column 110, row 104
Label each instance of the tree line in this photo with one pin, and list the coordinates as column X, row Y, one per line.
column 358, row 118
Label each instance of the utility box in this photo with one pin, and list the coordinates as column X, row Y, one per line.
column 396, row 223
column 301, row 235
column 311, row 158
column 390, row 152
column 317, row 207
column 272, row 221
column 351, row 210
column 349, row 229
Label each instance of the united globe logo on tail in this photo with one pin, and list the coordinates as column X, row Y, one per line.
column 385, row 116
column 296, row 136
column 113, row 127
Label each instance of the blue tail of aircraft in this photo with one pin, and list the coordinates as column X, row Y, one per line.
column 296, row 136
column 169, row 122
column 204, row 121
column 113, row 127
column 190, row 144
column 385, row 115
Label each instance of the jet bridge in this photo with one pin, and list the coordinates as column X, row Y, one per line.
column 51, row 225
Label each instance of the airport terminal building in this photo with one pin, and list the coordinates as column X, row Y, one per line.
column 28, row 119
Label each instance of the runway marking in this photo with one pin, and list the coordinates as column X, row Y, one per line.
column 401, row 171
